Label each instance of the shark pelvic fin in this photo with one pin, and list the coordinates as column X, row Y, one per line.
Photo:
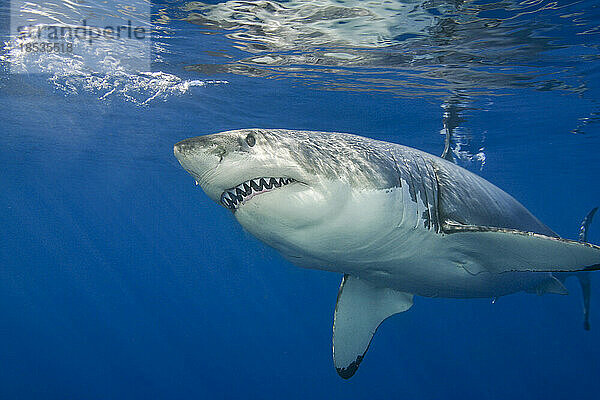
column 552, row 285
column 360, row 308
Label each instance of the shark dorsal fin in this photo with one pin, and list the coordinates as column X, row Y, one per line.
column 360, row 308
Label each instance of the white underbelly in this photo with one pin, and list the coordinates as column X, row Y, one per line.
column 380, row 235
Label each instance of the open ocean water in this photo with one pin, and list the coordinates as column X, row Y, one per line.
column 120, row 279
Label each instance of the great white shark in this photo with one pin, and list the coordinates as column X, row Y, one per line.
column 395, row 221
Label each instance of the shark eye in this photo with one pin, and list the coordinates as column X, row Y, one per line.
column 250, row 139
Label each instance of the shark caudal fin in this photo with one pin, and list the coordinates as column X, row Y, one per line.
column 584, row 278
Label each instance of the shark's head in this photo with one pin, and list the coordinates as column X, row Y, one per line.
column 282, row 183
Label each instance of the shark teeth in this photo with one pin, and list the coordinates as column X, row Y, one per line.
column 234, row 197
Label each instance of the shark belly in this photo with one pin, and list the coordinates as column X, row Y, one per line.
column 380, row 238
column 419, row 261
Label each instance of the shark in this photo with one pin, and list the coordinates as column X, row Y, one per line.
column 397, row 222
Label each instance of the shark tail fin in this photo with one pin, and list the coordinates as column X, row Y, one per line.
column 585, row 279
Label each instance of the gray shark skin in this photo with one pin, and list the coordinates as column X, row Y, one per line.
column 396, row 221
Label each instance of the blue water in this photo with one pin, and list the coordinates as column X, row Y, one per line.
column 120, row 279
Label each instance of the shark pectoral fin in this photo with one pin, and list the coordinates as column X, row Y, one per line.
column 507, row 250
column 359, row 310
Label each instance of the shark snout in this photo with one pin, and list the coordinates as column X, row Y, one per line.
column 198, row 156
column 191, row 145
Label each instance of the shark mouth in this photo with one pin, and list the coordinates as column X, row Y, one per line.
column 234, row 197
